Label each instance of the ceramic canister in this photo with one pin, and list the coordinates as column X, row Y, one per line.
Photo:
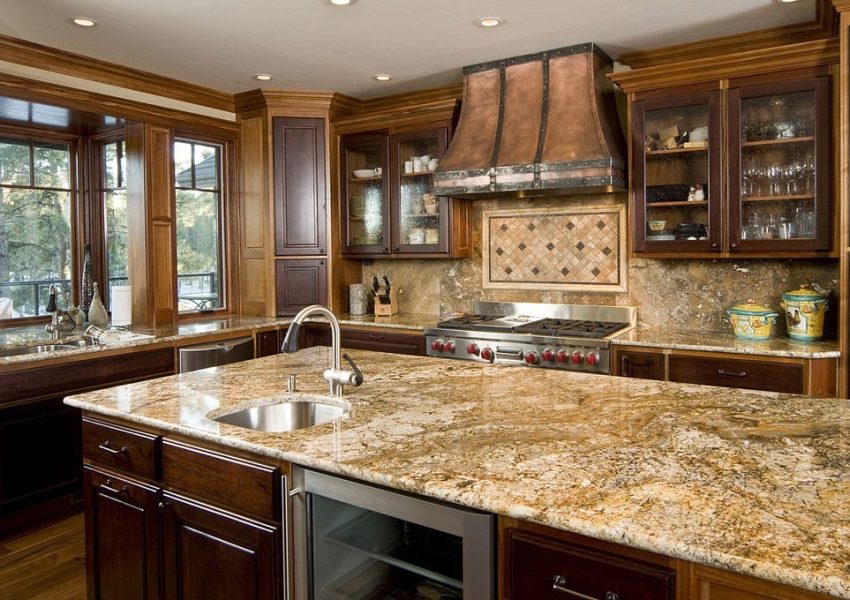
column 751, row 321
column 358, row 300
column 804, row 313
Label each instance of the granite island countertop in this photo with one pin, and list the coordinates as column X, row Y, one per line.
column 752, row 482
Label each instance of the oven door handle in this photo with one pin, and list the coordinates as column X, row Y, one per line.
column 509, row 353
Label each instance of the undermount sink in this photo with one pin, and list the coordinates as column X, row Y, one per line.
column 40, row 348
column 283, row 416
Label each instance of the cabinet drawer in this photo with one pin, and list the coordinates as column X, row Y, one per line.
column 544, row 569
column 211, row 476
column 120, row 448
column 382, row 341
column 640, row 365
column 730, row 372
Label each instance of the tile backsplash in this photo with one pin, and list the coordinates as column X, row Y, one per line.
column 677, row 294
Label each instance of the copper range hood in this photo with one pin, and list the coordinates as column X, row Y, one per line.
column 540, row 124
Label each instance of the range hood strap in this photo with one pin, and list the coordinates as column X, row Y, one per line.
column 499, row 125
column 544, row 117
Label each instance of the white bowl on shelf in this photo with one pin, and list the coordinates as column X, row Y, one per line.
column 364, row 173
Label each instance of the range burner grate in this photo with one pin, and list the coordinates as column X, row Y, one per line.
column 571, row 328
column 467, row 322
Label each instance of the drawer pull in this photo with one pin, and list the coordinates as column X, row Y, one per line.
column 107, row 487
column 107, row 447
column 559, row 585
column 375, row 336
column 731, row 373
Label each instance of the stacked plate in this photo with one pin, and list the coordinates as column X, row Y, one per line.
column 432, row 236
column 356, row 208
column 700, row 134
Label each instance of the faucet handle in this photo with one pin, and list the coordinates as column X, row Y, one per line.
column 358, row 374
column 51, row 303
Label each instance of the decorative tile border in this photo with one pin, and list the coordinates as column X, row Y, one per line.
column 567, row 249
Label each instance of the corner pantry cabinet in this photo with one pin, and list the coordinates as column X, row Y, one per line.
column 737, row 170
column 388, row 206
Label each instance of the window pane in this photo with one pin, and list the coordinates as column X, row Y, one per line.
column 199, row 280
column 35, row 249
column 206, row 167
column 110, row 166
column 14, row 162
column 117, row 263
column 183, row 164
column 52, row 166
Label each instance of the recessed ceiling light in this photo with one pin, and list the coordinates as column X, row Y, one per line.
column 342, row 2
column 490, row 21
column 787, row 1
column 263, row 77
column 383, row 77
column 84, row 21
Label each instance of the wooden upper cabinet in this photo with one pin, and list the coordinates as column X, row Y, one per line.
column 779, row 160
column 766, row 194
column 300, row 191
column 676, row 173
column 388, row 201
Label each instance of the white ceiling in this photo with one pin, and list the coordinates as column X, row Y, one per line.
column 312, row 45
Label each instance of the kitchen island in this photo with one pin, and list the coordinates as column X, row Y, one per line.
column 750, row 482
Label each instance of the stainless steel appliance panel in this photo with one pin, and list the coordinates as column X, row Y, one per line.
column 215, row 354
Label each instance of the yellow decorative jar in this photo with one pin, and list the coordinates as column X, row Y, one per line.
column 751, row 321
column 805, row 310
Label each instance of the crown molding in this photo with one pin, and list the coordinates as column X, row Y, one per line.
column 821, row 52
column 38, row 56
column 823, row 26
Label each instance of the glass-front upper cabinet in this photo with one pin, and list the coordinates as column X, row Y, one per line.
column 779, row 198
column 420, row 217
column 676, row 173
column 365, row 188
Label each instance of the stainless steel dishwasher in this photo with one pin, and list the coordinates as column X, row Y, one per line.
column 215, row 354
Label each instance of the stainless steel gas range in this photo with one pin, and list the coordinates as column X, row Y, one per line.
column 556, row 336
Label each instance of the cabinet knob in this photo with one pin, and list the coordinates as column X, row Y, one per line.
column 715, row 246
column 321, row 250
column 733, row 246
column 162, row 505
column 386, row 250
column 396, row 249
column 321, row 262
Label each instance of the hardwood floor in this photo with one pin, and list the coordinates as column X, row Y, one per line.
column 45, row 564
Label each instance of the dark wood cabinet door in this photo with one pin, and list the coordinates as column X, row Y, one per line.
column 300, row 197
column 541, row 568
column 122, row 538
column 40, row 456
column 300, row 283
column 639, row 365
column 779, row 166
column 663, row 173
column 216, row 555
column 382, row 341
column 267, row 344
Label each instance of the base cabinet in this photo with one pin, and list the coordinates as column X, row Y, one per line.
column 179, row 521
column 213, row 554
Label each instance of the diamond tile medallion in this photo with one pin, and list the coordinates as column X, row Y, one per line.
column 580, row 249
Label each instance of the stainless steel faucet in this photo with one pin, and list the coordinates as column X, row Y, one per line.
column 335, row 375
column 53, row 328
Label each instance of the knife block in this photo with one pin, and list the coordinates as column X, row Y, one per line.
column 386, row 305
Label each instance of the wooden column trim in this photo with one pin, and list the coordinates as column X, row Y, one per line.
column 152, row 224
column 843, row 198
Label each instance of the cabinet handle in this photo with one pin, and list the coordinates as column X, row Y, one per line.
column 625, row 371
column 107, row 487
column 731, row 373
column 559, row 585
column 107, row 447
column 162, row 505
column 376, row 336
column 733, row 246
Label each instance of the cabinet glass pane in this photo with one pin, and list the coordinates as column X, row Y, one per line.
column 778, row 167
column 419, row 208
column 677, row 173
column 365, row 196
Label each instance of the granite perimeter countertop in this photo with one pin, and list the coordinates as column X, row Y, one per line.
column 753, row 482
column 182, row 333
column 722, row 341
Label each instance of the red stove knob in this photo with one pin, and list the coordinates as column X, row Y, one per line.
column 576, row 357
column 449, row 347
column 593, row 359
column 547, row 355
column 561, row 356
column 487, row 354
column 472, row 349
column 531, row 358
column 437, row 345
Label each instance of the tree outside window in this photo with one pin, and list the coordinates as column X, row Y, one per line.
column 197, row 174
column 36, row 241
column 114, row 195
